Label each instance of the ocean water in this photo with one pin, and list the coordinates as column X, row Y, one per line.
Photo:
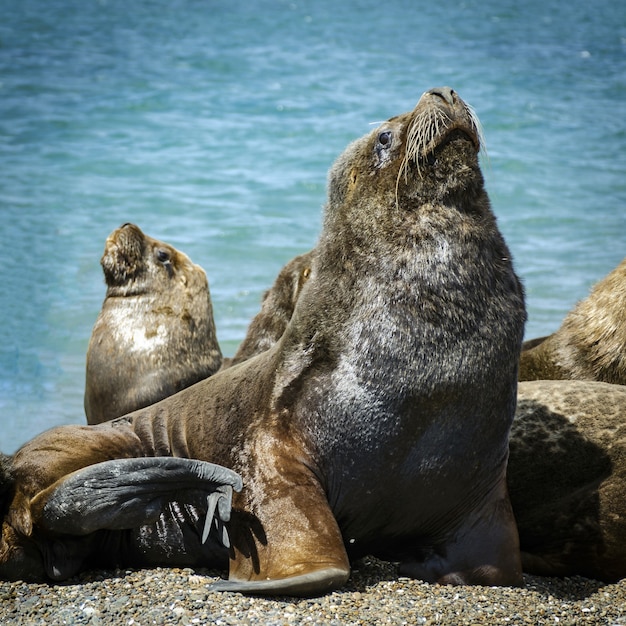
column 212, row 124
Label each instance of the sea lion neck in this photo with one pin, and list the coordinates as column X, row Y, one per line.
column 393, row 176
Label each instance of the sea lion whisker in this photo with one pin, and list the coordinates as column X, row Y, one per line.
column 421, row 133
column 476, row 126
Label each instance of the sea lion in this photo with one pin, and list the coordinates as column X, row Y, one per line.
column 591, row 342
column 155, row 333
column 567, row 478
column 379, row 422
column 277, row 306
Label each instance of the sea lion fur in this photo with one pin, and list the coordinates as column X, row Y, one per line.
column 379, row 421
column 567, row 478
column 591, row 342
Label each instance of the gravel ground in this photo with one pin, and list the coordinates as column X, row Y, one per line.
column 373, row 595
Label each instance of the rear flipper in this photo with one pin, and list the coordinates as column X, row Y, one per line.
column 129, row 493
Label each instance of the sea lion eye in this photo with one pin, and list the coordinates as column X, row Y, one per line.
column 163, row 255
column 383, row 145
column 384, row 139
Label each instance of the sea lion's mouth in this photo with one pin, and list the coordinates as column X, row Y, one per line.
column 458, row 134
column 434, row 127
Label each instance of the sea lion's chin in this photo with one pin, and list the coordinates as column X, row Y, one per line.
column 448, row 168
column 454, row 142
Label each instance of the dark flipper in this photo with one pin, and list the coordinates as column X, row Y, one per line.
column 128, row 493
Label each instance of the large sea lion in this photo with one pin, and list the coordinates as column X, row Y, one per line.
column 155, row 333
column 379, row 422
column 591, row 342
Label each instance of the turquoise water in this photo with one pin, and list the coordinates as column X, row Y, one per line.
column 212, row 124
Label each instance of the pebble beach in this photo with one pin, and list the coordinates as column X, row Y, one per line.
column 373, row 595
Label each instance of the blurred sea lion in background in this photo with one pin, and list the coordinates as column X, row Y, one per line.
column 277, row 307
column 591, row 342
column 567, row 478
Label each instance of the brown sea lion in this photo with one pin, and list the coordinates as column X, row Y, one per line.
column 155, row 334
column 277, row 306
column 379, row 422
column 567, row 478
column 591, row 342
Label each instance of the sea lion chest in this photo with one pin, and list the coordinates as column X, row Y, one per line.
column 410, row 423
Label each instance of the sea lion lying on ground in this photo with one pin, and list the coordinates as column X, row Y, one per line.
column 379, row 422
column 567, row 478
column 591, row 342
column 155, row 334
column 102, row 504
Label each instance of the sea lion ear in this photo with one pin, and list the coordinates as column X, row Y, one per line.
column 128, row 493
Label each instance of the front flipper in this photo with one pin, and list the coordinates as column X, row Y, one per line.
column 285, row 539
column 306, row 585
column 128, row 493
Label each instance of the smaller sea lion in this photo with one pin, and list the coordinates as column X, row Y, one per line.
column 277, row 306
column 567, row 478
column 155, row 333
column 591, row 342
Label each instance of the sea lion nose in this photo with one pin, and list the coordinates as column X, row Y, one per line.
column 446, row 93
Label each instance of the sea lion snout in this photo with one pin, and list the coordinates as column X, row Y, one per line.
column 445, row 93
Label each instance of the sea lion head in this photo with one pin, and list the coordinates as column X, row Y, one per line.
column 425, row 156
column 132, row 260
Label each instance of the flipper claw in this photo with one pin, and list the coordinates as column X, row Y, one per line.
column 220, row 500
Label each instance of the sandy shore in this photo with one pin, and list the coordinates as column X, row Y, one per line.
column 373, row 595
